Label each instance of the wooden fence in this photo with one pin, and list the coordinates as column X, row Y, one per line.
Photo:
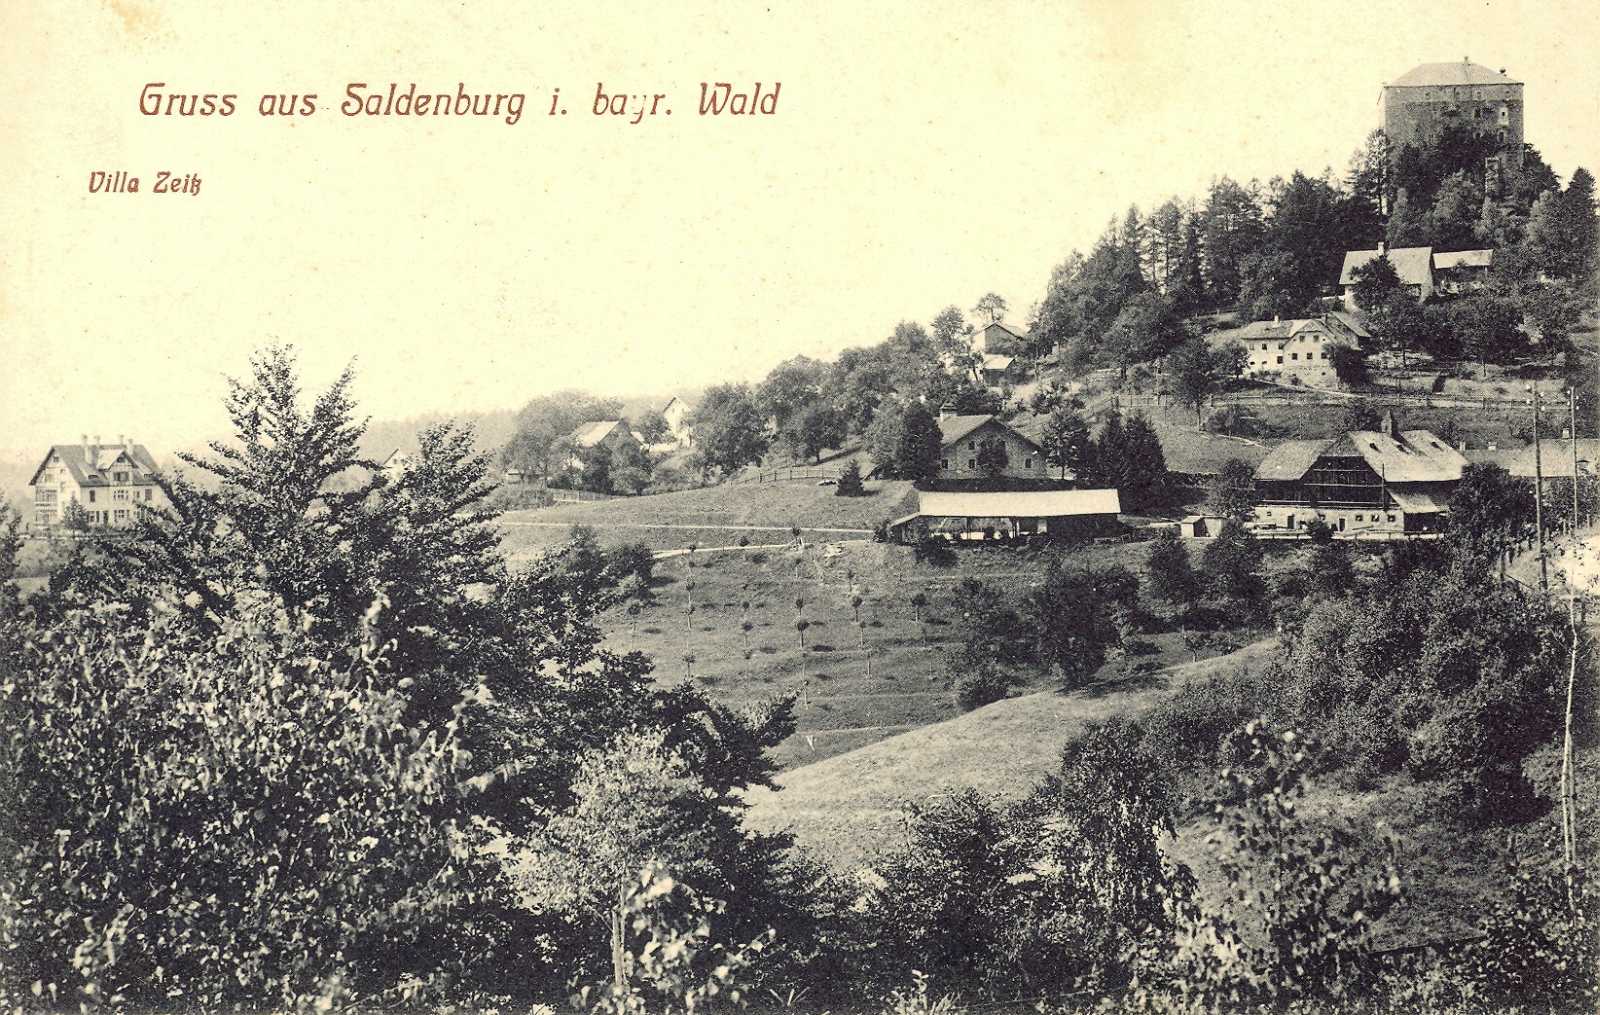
column 793, row 472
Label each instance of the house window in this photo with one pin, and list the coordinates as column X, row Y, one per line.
column 119, row 495
column 120, row 477
column 972, row 463
column 972, row 445
column 944, row 463
column 1280, row 359
column 1294, row 355
column 1359, row 518
column 1027, row 463
column 91, row 496
column 149, row 494
column 1391, row 518
column 120, row 514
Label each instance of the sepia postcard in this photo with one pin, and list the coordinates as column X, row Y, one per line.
column 884, row 507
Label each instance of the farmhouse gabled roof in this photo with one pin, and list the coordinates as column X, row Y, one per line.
column 86, row 473
column 1415, row 456
column 1458, row 72
column 1414, row 265
column 1015, row 332
column 955, row 428
column 1350, row 322
column 1291, row 459
column 587, row 435
column 1019, row 504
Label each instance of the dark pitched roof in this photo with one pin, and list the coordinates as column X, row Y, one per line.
column 1414, row 265
column 93, row 473
column 954, row 428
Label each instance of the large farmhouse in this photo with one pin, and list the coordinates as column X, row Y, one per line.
column 1299, row 349
column 1008, row 515
column 961, row 438
column 1413, row 266
column 107, row 481
column 1367, row 481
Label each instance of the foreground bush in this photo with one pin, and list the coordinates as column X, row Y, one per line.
column 234, row 821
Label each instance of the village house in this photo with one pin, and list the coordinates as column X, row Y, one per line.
column 1001, row 339
column 1413, row 266
column 1462, row 270
column 961, row 437
column 107, row 481
column 1377, row 482
column 611, row 434
column 963, row 515
column 676, row 413
column 1301, row 348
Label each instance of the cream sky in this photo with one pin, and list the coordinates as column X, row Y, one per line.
column 922, row 155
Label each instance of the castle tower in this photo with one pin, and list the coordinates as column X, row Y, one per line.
column 1422, row 103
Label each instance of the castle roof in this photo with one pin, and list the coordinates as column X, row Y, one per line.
column 1458, row 72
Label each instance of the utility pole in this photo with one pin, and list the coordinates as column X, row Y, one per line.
column 1538, row 495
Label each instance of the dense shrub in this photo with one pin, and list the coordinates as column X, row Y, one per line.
column 631, row 560
column 234, row 821
column 995, row 901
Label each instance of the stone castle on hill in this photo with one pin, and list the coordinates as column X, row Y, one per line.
column 1421, row 103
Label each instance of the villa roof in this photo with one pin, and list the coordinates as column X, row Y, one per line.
column 92, row 473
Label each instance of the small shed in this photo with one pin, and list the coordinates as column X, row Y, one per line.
column 1009, row 515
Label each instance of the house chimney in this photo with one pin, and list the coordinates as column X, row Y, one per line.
column 1388, row 426
column 1276, row 319
column 946, row 411
column 1383, row 248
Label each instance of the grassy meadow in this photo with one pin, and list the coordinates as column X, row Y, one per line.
column 856, row 683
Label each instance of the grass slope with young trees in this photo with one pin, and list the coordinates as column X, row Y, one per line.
column 850, row 806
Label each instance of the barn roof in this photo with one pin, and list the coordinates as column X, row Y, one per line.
column 1414, row 456
column 587, row 435
column 1464, row 259
column 1555, row 458
column 1291, row 459
column 1019, row 504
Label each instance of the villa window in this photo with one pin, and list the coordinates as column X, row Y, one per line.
column 91, row 496
column 120, row 477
